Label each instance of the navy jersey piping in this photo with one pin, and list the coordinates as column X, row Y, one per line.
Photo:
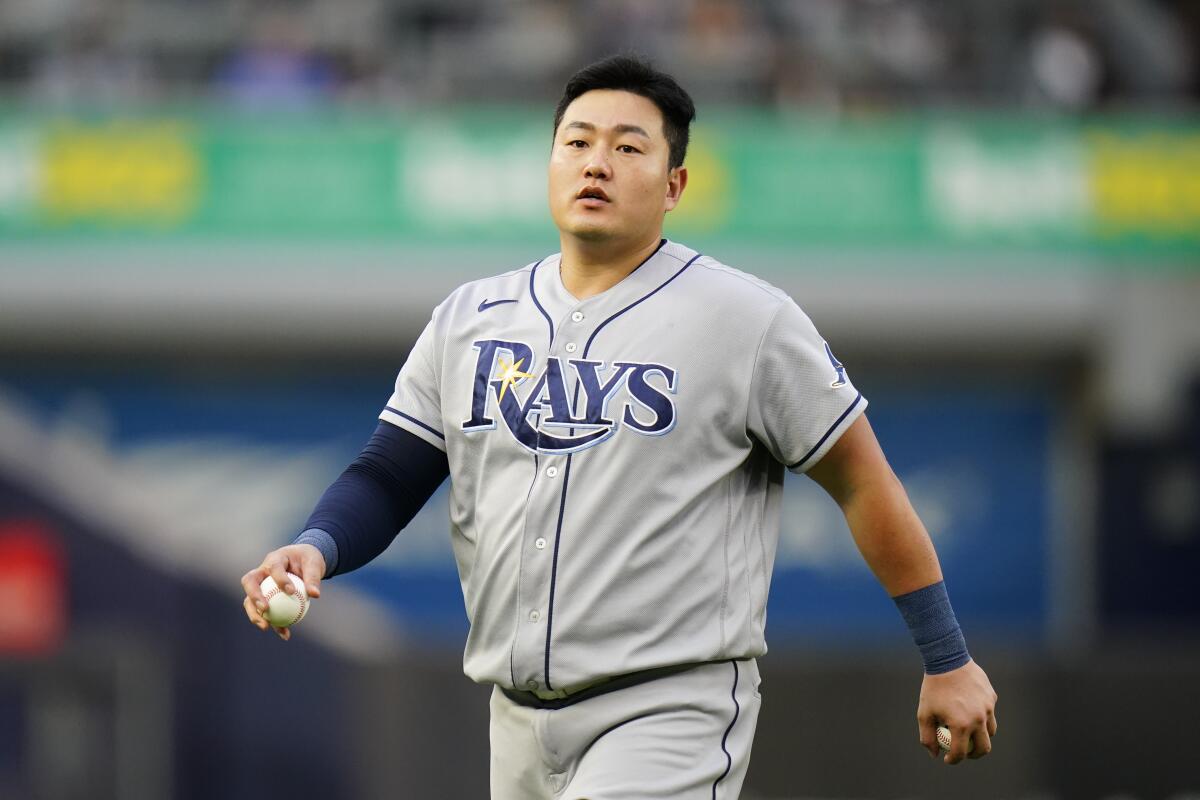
column 828, row 433
column 562, row 505
column 737, row 710
column 416, row 421
column 550, row 343
column 533, row 294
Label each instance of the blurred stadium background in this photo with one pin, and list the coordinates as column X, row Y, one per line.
column 223, row 223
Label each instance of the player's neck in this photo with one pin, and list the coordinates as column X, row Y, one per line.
column 590, row 268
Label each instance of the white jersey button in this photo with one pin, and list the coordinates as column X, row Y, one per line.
column 551, row 472
column 577, row 316
column 571, row 347
column 539, row 543
column 534, row 616
column 532, row 684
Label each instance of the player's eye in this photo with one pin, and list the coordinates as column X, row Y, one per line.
column 577, row 143
column 628, row 148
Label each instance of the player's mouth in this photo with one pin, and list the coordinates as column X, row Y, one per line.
column 592, row 197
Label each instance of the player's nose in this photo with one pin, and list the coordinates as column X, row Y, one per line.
column 597, row 167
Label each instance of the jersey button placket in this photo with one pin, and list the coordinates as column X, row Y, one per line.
column 534, row 588
column 541, row 520
column 541, row 525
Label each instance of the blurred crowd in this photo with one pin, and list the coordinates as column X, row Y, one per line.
column 1069, row 55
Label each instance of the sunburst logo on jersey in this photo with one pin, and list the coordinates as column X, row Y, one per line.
column 510, row 373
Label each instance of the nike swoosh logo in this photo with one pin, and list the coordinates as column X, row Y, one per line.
column 485, row 305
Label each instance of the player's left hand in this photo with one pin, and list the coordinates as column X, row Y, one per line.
column 964, row 701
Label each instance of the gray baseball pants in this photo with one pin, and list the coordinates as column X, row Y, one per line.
column 686, row 736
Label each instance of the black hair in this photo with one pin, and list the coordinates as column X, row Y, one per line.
column 632, row 74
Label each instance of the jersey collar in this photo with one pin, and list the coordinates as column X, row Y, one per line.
column 661, row 265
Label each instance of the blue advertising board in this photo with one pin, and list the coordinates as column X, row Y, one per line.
column 249, row 453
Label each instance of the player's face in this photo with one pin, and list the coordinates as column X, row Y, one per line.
column 608, row 169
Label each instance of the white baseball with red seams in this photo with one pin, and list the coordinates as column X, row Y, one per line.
column 944, row 740
column 284, row 609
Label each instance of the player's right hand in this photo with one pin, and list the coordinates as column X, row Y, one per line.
column 299, row 559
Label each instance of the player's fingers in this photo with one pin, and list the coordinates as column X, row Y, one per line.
column 982, row 742
column 312, row 568
column 960, row 737
column 256, row 619
column 250, row 585
column 991, row 723
column 279, row 571
column 284, row 633
column 927, row 733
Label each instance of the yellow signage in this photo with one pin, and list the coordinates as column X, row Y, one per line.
column 704, row 205
column 119, row 173
column 1146, row 183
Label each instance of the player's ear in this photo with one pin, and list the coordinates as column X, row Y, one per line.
column 676, row 183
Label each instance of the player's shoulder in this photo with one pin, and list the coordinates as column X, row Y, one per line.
column 714, row 280
column 504, row 287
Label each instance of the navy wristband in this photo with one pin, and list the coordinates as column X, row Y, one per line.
column 934, row 628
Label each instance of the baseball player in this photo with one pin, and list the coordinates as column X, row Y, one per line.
column 615, row 420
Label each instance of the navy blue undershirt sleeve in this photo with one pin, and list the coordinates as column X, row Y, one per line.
column 375, row 497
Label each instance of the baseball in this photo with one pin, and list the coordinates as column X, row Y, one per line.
column 283, row 609
column 943, row 739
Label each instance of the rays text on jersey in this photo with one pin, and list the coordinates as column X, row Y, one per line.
column 547, row 420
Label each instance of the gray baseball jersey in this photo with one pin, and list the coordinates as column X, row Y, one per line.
column 616, row 463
